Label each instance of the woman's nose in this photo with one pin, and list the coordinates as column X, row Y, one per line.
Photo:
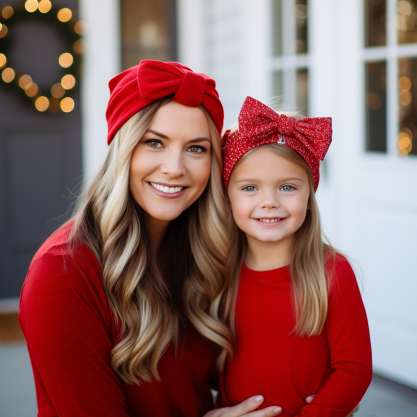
column 173, row 165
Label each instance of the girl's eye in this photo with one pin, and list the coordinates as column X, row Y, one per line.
column 249, row 188
column 154, row 143
column 197, row 149
column 287, row 187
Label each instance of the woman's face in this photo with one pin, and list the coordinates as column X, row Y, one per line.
column 171, row 164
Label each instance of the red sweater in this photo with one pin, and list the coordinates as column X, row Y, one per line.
column 70, row 332
column 285, row 368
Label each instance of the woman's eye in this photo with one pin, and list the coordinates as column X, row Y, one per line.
column 197, row 149
column 154, row 143
column 287, row 187
column 249, row 188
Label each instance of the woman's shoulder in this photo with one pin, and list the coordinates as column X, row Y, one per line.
column 59, row 264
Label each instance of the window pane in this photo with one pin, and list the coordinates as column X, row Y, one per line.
column 277, row 27
column 290, row 90
column 375, row 105
column 148, row 30
column 289, row 27
column 407, row 21
column 407, row 84
column 375, row 22
column 302, row 91
column 301, row 18
column 277, row 86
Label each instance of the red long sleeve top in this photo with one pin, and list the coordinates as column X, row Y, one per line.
column 70, row 332
column 271, row 360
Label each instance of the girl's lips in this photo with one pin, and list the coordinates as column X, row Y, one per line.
column 269, row 220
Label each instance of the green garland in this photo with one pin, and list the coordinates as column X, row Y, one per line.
column 65, row 30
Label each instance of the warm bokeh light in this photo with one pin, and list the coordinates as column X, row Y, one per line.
column 66, row 60
column 79, row 27
column 32, row 90
column 67, row 104
column 42, row 103
column 405, row 98
column 45, row 6
column 68, row 81
column 31, row 6
column 25, row 81
column 4, row 30
column 8, row 75
column 7, row 12
column 64, row 15
column 405, row 83
column 405, row 142
column 57, row 91
column 78, row 47
column 3, row 60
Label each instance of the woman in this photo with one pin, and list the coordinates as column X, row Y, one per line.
column 124, row 306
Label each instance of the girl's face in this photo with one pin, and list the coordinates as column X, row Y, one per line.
column 171, row 164
column 268, row 196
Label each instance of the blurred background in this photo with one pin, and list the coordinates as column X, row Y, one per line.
column 353, row 60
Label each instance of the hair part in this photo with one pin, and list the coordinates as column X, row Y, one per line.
column 149, row 310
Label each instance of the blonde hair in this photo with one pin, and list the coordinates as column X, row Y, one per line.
column 147, row 307
column 307, row 262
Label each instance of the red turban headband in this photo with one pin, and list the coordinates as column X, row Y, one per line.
column 151, row 80
column 260, row 125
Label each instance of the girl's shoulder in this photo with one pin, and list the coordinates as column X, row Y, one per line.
column 340, row 274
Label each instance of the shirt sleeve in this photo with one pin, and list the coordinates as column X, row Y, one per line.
column 350, row 348
column 63, row 317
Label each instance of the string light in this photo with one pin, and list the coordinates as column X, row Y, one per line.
column 64, row 15
column 32, row 90
column 79, row 27
column 65, row 60
column 3, row 30
column 8, row 75
column 45, row 6
column 7, row 12
column 68, row 81
column 57, row 91
column 405, row 142
column 3, row 60
column 42, row 103
column 78, row 47
column 25, row 81
column 67, row 104
column 31, row 6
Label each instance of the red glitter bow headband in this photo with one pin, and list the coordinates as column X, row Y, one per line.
column 260, row 125
column 151, row 80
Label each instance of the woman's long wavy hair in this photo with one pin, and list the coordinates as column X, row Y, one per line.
column 307, row 262
column 152, row 305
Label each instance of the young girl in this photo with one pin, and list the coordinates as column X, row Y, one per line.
column 300, row 323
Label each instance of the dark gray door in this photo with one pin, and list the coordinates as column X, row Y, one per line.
column 40, row 154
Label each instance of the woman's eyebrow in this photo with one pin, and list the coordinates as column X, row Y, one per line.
column 157, row 133
column 199, row 139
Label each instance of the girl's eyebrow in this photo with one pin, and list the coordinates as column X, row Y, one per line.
column 168, row 138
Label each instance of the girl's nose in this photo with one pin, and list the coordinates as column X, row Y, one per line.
column 270, row 200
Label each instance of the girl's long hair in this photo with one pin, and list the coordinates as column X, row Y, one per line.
column 152, row 305
column 307, row 262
